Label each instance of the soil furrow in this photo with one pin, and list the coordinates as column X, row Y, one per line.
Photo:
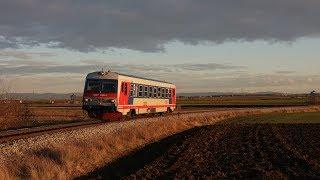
column 222, row 150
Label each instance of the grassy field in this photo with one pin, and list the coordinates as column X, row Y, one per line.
column 300, row 118
column 219, row 100
column 244, row 100
column 14, row 116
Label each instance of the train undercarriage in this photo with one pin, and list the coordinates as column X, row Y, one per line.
column 110, row 113
column 103, row 112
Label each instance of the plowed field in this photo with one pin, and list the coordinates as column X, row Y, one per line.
column 236, row 150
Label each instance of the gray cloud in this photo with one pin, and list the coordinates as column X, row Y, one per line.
column 186, row 82
column 248, row 82
column 34, row 67
column 188, row 77
column 38, row 69
column 147, row 25
column 9, row 66
column 208, row 66
column 284, row 72
column 46, row 83
column 23, row 54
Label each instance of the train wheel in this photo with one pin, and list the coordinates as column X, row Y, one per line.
column 169, row 110
column 92, row 114
column 132, row 113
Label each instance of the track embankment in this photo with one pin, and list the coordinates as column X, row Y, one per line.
column 77, row 152
column 23, row 133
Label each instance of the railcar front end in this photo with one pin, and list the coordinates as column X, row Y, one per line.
column 100, row 96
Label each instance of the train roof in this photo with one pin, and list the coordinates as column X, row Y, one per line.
column 132, row 76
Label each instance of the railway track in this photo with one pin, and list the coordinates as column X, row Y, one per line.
column 16, row 134
column 188, row 106
column 11, row 135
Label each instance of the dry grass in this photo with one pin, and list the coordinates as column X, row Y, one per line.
column 70, row 154
column 19, row 115
column 14, row 115
column 60, row 114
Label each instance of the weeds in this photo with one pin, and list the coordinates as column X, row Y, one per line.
column 84, row 150
column 15, row 115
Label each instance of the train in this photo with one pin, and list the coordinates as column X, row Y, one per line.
column 111, row 95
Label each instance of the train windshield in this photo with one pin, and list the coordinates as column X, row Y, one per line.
column 103, row 86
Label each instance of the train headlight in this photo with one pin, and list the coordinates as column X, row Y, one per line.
column 113, row 101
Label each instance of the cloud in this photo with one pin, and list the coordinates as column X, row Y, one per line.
column 207, row 66
column 284, row 72
column 44, row 67
column 23, row 54
column 47, row 76
column 234, row 82
column 146, row 25
column 186, row 82
column 9, row 66
column 58, row 83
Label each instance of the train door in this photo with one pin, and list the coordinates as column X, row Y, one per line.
column 173, row 96
column 124, row 93
column 172, row 93
column 132, row 93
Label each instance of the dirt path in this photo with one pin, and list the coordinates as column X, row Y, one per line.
column 236, row 151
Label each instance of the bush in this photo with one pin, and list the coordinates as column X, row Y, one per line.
column 13, row 115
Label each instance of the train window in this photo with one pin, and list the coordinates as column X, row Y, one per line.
column 93, row 85
column 125, row 88
column 104, row 86
column 150, row 91
column 132, row 90
column 136, row 90
column 146, row 88
column 163, row 93
column 109, row 86
column 140, row 90
column 122, row 86
column 159, row 92
column 167, row 91
column 154, row 92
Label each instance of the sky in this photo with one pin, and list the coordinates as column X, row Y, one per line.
column 200, row 45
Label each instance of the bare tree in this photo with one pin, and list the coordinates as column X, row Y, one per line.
column 5, row 89
column 12, row 112
column 313, row 98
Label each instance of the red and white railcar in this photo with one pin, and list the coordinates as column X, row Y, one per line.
column 110, row 95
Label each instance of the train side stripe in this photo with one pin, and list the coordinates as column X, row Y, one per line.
column 145, row 107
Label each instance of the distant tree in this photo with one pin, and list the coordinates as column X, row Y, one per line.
column 312, row 99
column 73, row 98
column 5, row 89
column 10, row 106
